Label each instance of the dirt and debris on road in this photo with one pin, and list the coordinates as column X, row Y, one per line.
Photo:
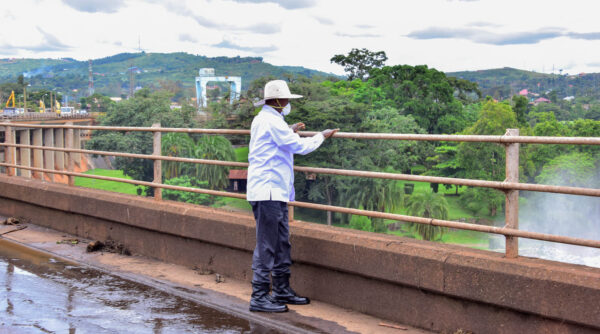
column 109, row 246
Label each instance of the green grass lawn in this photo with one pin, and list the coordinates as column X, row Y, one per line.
column 452, row 236
column 233, row 203
column 114, row 186
column 455, row 209
column 241, row 154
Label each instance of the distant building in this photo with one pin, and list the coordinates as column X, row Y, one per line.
column 207, row 75
column 524, row 92
column 541, row 100
column 569, row 98
column 237, row 180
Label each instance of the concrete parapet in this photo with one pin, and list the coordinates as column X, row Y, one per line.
column 433, row 286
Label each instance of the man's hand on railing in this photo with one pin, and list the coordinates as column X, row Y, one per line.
column 329, row 132
column 298, row 126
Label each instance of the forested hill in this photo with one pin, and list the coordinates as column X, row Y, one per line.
column 501, row 83
column 111, row 75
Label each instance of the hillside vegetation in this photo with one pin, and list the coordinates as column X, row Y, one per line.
column 153, row 70
column 501, row 83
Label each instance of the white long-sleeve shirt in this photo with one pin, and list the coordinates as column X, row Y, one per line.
column 271, row 156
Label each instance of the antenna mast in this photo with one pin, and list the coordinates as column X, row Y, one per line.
column 131, row 80
column 90, row 79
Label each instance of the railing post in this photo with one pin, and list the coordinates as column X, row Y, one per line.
column 49, row 155
column 512, row 196
column 157, row 163
column 9, row 151
column 38, row 154
column 70, row 144
column 77, row 145
column 290, row 213
column 25, row 153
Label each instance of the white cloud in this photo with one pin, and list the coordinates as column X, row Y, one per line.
column 287, row 4
column 478, row 35
column 185, row 37
column 324, row 20
column 94, row 6
column 470, row 35
column 226, row 44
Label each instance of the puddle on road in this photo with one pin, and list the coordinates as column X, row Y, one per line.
column 39, row 294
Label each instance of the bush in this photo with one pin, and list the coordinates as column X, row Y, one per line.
column 361, row 223
column 186, row 196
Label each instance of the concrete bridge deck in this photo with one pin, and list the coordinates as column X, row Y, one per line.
column 435, row 287
column 231, row 296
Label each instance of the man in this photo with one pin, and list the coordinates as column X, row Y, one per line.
column 270, row 186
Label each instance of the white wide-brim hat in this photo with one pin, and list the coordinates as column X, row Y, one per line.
column 276, row 89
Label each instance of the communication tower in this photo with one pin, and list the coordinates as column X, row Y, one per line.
column 131, row 80
column 90, row 79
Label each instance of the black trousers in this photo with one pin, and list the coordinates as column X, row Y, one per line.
column 272, row 251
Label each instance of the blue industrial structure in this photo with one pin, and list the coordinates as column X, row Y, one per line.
column 207, row 75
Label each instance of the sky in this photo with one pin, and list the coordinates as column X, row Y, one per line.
column 450, row 35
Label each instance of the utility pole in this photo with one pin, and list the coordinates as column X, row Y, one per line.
column 90, row 79
column 131, row 81
column 24, row 98
column 51, row 104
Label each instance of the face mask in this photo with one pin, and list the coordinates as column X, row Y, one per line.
column 286, row 110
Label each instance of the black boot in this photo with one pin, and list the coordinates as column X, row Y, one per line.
column 283, row 293
column 260, row 301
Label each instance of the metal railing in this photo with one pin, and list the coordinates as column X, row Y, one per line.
column 510, row 186
column 37, row 116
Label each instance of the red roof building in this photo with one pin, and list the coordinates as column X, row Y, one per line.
column 541, row 100
column 237, row 180
column 238, row 174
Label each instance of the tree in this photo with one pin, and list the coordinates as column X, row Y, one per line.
column 177, row 145
column 426, row 94
column 520, row 108
column 359, row 62
column 486, row 161
column 547, row 125
column 330, row 113
column 96, row 103
column 477, row 200
column 428, row 204
column 213, row 148
column 143, row 110
column 446, row 163
column 207, row 147
column 573, row 169
column 186, row 196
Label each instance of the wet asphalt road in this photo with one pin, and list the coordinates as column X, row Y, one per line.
column 39, row 294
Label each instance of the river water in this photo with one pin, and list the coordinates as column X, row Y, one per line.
column 39, row 294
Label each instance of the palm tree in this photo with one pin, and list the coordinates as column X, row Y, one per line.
column 177, row 145
column 213, row 148
column 373, row 194
column 429, row 205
